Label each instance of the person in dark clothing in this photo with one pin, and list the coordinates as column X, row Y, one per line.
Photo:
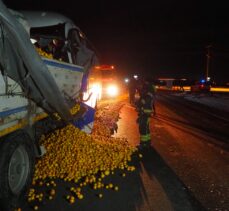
column 132, row 91
column 144, row 108
column 153, row 91
column 148, row 85
column 56, row 48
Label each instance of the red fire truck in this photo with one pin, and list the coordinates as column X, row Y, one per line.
column 103, row 81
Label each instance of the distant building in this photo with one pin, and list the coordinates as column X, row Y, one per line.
column 167, row 81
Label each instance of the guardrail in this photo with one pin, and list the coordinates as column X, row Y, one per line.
column 187, row 88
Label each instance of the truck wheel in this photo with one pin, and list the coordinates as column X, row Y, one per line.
column 17, row 166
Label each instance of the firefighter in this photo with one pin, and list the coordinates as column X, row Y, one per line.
column 150, row 86
column 144, row 108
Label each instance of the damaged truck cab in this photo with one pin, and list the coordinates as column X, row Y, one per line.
column 45, row 61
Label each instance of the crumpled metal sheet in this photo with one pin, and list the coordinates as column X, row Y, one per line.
column 20, row 61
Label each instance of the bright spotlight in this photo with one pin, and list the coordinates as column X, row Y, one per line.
column 126, row 80
column 136, row 76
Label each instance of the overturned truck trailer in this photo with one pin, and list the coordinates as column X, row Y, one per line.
column 44, row 65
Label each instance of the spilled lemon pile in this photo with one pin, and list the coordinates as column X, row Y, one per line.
column 43, row 53
column 72, row 154
column 106, row 119
column 75, row 109
column 81, row 159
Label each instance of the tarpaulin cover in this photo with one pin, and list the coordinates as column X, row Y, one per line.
column 20, row 61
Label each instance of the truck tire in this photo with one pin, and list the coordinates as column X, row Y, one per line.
column 16, row 169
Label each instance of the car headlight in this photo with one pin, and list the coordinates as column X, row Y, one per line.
column 112, row 90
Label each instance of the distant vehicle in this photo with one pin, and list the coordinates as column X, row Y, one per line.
column 103, row 80
column 201, row 86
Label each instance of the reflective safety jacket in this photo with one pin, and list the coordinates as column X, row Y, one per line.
column 145, row 103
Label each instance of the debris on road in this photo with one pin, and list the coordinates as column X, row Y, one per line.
column 82, row 159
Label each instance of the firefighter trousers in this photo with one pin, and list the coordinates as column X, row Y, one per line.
column 144, row 130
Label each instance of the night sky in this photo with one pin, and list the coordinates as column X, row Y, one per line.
column 159, row 38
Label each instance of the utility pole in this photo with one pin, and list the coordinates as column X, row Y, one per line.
column 208, row 60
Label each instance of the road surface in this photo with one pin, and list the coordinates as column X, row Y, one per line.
column 185, row 169
column 192, row 141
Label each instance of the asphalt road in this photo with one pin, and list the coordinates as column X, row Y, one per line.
column 185, row 169
column 193, row 140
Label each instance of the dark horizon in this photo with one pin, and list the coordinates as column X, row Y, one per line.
column 162, row 39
